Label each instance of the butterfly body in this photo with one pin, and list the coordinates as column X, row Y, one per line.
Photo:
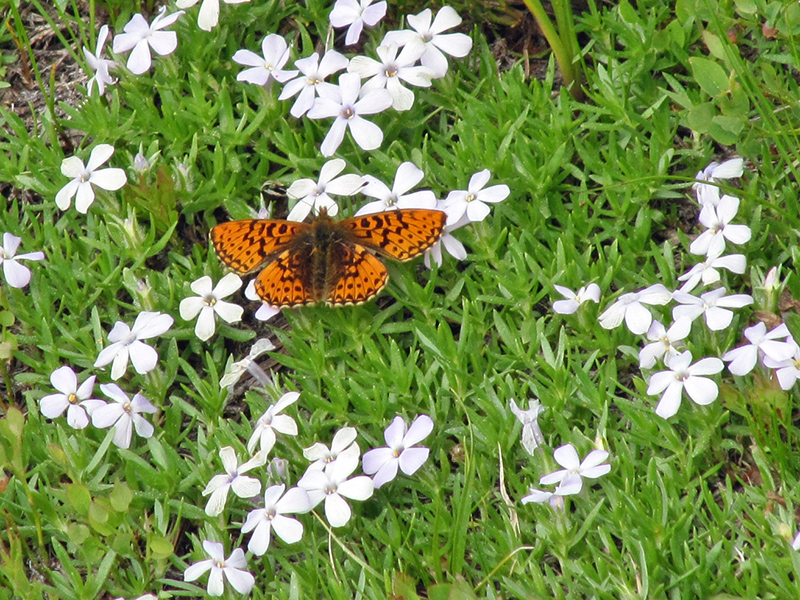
column 325, row 260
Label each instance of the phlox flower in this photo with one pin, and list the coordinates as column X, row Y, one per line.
column 100, row 66
column 713, row 305
column 531, row 432
column 706, row 271
column 272, row 421
column 17, row 275
column 717, row 220
column 232, row 479
column 208, row 17
column 744, row 358
column 354, row 14
column 235, row 370
column 391, row 71
column 314, row 196
column 311, row 83
column 796, row 542
column 343, row 445
column 709, row 194
column 263, row 521
column 266, row 311
column 787, row 371
column 538, row 496
column 575, row 299
column 268, row 68
column 406, row 177
column 84, row 177
column 76, row 400
column 208, row 304
column 630, row 308
column 347, row 108
column 447, row 242
column 400, row 451
column 123, row 415
column 127, row 343
column 472, row 201
column 233, row 569
column 332, row 486
column 570, row 478
column 663, row 342
column 140, row 37
column 430, row 36
column 682, row 375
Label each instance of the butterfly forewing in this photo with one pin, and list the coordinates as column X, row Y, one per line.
column 361, row 277
column 400, row 234
column 246, row 245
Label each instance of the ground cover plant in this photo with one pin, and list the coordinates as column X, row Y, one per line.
column 585, row 389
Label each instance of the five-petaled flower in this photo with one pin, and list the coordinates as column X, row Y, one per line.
column 682, row 375
column 84, row 177
column 269, row 67
column 99, row 65
column 629, row 307
column 717, row 220
column 663, row 342
column 347, row 107
column 343, row 445
column 406, row 177
column 400, row 439
column 570, row 478
column 232, row 568
column 354, row 14
column 263, row 521
column 575, row 299
column 141, row 36
column 232, row 479
column 311, row 83
column 127, row 342
column 744, row 358
column 431, row 37
column 17, row 275
column 314, row 195
column 208, row 17
column 209, row 304
column 472, row 201
column 706, row 271
column 272, row 421
column 714, row 305
column 709, row 194
column 76, row 400
column 123, row 415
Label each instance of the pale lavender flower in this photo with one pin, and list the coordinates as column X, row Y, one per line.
column 271, row 421
column 575, row 299
column 713, row 305
column 744, row 358
column 663, row 342
column 706, row 271
column 717, row 220
column 532, row 435
column 141, row 37
column 406, row 177
column 630, row 308
column 235, row 371
column 447, row 242
column 76, row 400
column 354, row 15
column 208, row 17
column 17, row 275
column 314, row 195
column 570, row 478
column 123, row 415
column 208, row 304
column 269, row 67
column 400, row 451
column 311, row 83
column 99, row 66
column 682, row 375
column 126, row 343
column 273, row 517
column 343, row 445
column 232, row 479
column 787, row 371
column 84, row 177
column 233, row 569
column 709, row 194
column 472, row 201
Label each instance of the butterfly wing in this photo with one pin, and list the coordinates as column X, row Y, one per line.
column 286, row 281
column 400, row 234
column 246, row 245
column 360, row 276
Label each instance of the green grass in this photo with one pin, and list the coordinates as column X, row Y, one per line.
column 699, row 506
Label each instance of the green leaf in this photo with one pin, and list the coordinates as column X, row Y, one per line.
column 121, row 497
column 710, row 76
column 79, row 498
column 699, row 117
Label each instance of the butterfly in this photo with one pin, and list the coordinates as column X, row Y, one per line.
column 325, row 260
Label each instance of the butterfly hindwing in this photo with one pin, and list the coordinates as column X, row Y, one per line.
column 360, row 278
column 286, row 282
column 246, row 245
column 400, row 234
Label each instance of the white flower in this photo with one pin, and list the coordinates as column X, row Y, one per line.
column 123, row 414
column 17, row 275
column 570, row 478
column 541, row 496
column 311, row 83
column 77, row 401
column 343, row 444
column 208, row 17
column 354, row 15
column 347, row 108
column 744, row 358
column 391, row 71
column 796, row 542
column 531, row 432
column 787, row 371
column 454, row 248
column 233, row 569
column 268, row 68
column 262, row 521
column 406, row 177
column 430, row 36
column 713, row 305
column 84, row 177
column 707, row 270
column 332, row 486
column 126, row 342
column 472, row 201
column 574, row 300
column 272, row 421
column 629, row 307
column 710, row 193
column 208, row 304
column 140, row 37
column 718, row 221
column 400, row 439
column 235, row 371
column 684, row 376
column 100, row 66
column 314, row 196
column 232, row 479
column 663, row 346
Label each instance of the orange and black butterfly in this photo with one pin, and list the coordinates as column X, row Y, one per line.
column 325, row 260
